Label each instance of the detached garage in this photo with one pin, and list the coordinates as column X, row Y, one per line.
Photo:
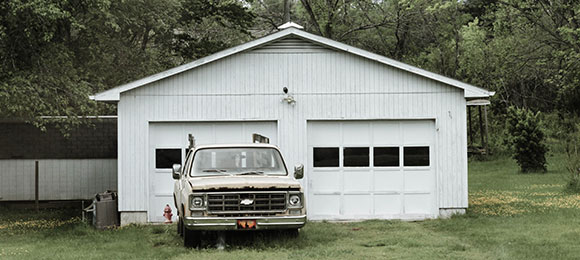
column 379, row 138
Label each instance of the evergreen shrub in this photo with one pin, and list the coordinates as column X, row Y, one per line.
column 526, row 139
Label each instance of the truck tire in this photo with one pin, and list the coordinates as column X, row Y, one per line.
column 291, row 233
column 179, row 226
column 191, row 238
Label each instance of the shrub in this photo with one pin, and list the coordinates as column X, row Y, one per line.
column 526, row 139
column 571, row 139
column 573, row 167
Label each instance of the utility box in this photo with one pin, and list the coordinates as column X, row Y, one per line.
column 105, row 213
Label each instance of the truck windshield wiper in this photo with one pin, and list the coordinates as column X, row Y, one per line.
column 214, row 170
column 252, row 173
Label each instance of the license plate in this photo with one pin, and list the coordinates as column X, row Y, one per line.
column 246, row 224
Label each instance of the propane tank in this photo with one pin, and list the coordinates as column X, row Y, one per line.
column 167, row 214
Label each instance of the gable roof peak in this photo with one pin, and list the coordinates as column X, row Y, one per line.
column 292, row 29
column 289, row 25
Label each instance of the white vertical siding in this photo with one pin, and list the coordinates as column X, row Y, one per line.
column 58, row 179
column 325, row 84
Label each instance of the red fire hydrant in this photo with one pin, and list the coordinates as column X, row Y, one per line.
column 167, row 214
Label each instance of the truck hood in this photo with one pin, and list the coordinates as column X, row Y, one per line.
column 243, row 182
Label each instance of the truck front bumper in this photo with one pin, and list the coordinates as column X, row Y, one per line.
column 231, row 223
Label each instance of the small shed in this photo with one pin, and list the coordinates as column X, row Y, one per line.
column 379, row 139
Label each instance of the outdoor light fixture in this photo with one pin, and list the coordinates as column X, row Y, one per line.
column 288, row 98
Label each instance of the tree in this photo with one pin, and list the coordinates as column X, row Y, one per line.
column 54, row 54
column 526, row 139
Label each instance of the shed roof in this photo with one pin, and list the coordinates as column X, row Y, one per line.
column 471, row 91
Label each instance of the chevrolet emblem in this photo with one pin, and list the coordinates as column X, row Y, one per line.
column 246, row 202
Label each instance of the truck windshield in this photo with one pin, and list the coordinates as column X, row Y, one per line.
column 237, row 161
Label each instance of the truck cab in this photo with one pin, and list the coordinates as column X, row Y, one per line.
column 236, row 187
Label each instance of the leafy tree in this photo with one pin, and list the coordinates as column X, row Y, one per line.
column 55, row 53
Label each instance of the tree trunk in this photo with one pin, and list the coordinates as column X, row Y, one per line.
column 286, row 11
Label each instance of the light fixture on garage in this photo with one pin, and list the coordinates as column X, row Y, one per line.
column 288, row 98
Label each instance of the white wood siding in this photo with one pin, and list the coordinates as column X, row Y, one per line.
column 58, row 179
column 326, row 85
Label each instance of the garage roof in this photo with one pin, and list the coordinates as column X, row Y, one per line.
column 292, row 30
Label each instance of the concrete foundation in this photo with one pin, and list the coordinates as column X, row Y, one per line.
column 129, row 217
column 447, row 213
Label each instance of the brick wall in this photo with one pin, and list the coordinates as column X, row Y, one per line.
column 24, row 141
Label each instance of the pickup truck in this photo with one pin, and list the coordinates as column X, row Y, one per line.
column 236, row 187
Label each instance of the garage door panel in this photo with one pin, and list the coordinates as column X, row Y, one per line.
column 324, row 134
column 325, row 204
column 418, row 181
column 360, row 205
column 267, row 129
column 386, row 133
column 355, row 133
column 357, row 181
column 325, row 182
column 417, row 132
column 388, row 181
column 230, row 133
column 387, row 204
column 167, row 136
column 162, row 182
column 418, row 203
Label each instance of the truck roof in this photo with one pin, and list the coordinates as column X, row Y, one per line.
column 249, row 145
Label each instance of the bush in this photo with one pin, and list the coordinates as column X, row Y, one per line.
column 526, row 139
column 573, row 167
column 571, row 139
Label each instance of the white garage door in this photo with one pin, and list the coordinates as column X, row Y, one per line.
column 167, row 143
column 371, row 169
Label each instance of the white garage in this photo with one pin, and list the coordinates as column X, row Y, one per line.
column 379, row 138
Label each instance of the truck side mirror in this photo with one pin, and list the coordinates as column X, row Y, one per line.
column 298, row 171
column 176, row 171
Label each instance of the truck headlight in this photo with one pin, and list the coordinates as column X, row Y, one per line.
column 196, row 202
column 295, row 201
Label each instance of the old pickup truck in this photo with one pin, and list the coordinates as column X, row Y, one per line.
column 236, row 187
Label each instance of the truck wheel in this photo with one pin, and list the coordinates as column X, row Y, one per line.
column 191, row 238
column 179, row 226
column 291, row 233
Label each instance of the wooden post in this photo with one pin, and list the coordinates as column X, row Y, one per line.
column 481, row 127
column 470, row 128
column 486, row 130
column 36, row 185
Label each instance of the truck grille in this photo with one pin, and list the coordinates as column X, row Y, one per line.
column 239, row 202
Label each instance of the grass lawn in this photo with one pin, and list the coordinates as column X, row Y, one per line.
column 511, row 216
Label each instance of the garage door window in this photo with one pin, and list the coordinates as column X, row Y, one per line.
column 416, row 156
column 165, row 158
column 326, row 157
column 386, row 156
column 356, row 157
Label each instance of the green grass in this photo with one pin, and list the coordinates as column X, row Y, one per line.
column 511, row 216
